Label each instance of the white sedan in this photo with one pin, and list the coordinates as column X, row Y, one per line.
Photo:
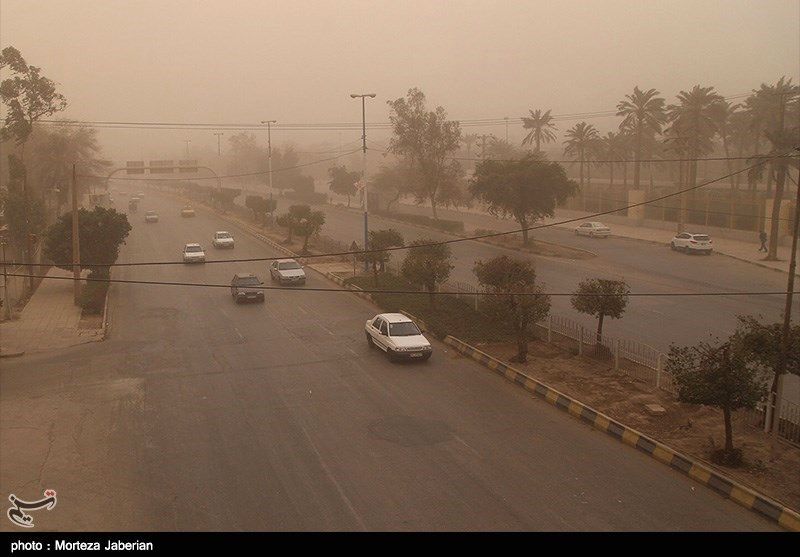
column 193, row 253
column 593, row 230
column 223, row 239
column 398, row 336
column 692, row 243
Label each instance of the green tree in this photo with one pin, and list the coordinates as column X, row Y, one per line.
column 527, row 188
column 379, row 242
column 391, row 183
column 541, row 126
column 27, row 96
column 309, row 225
column 426, row 140
column 716, row 374
column 601, row 298
column 427, row 265
column 343, row 182
column 292, row 218
column 260, row 207
column 24, row 217
column 695, row 117
column 643, row 115
column 101, row 232
column 223, row 197
column 762, row 343
column 515, row 296
column 581, row 140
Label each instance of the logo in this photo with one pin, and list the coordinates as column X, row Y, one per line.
column 17, row 514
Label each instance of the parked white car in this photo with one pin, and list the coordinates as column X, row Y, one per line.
column 593, row 230
column 222, row 239
column 692, row 243
column 287, row 271
column 398, row 336
column 151, row 216
column 193, row 253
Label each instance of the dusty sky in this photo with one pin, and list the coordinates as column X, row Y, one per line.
column 239, row 61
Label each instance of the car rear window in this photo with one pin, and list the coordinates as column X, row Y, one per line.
column 194, row 248
column 701, row 237
column 288, row 266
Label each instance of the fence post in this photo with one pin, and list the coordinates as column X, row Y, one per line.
column 658, row 371
column 768, row 411
column 580, row 341
column 549, row 329
column 616, row 355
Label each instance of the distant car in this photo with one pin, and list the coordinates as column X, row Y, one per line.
column 398, row 336
column 140, row 195
column 593, row 230
column 151, row 216
column 187, row 212
column 692, row 243
column 193, row 253
column 244, row 288
column 287, row 271
column 222, row 239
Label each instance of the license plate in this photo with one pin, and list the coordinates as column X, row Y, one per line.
column 416, row 355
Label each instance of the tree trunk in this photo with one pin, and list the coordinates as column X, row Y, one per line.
column 774, row 229
column 523, row 224
column 726, row 413
column 538, row 142
column 600, row 328
column 433, row 206
column 348, row 201
column 375, row 271
column 431, row 294
column 625, row 175
column 305, row 244
column 637, row 157
column 522, row 345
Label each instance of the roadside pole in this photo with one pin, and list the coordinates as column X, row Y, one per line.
column 777, row 388
column 76, row 242
column 6, row 298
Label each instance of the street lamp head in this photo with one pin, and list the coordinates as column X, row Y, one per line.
column 353, row 96
column 371, row 95
column 268, row 121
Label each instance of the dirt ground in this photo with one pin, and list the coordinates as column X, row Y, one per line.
column 772, row 468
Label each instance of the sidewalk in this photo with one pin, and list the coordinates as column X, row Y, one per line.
column 50, row 320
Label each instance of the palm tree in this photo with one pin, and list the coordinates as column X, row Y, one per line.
column 725, row 125
column 581, row 141
column 643, row 114
column 774, row 103
column 696, row 118
column 541, row 126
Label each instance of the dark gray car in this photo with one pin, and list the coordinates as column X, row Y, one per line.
column 245, row 288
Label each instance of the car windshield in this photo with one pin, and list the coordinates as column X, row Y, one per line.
column 404, row 329
column 701, row 237
column 223, row 235
column 248, row 281
column 288, row 266
column 151, row 213
column 194, row 249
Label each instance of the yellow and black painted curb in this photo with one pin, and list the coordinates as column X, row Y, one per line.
column 744, row 496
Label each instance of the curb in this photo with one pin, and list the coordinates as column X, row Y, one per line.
column 744, row 496
column 12, row 354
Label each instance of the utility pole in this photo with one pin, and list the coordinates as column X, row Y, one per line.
column 219, row 148
column 483, row 145
column 269, row 152
column 76, row 241
column 363, row 97
column 187, row 147
column 780, row 369
column 506, row 119
column 6, row 298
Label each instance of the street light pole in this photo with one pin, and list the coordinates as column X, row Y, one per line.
column 187, row 146
column 506, row 119
column 269, row 151
column 219, row 148
column 363, row 98
column 76, row 241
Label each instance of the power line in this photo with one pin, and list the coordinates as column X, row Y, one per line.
column 440, row 293
column 429, row 244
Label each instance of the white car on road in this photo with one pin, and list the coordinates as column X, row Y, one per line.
column 593, row 230
column 398, row 336
column 222, row 239
column 151, row 216
column 287, row 271
column 193, row 253
column 692, row 243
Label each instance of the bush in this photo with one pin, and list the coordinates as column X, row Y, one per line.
column 440, row 224
column 309, row 197
column 450, row 316
column 93, row 296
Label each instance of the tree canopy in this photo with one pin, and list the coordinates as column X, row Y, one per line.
column 343, row 181
column 527, row 189
column 601, row 298
column 427, row 266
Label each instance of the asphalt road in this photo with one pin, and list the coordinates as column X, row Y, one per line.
column 200, row 414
